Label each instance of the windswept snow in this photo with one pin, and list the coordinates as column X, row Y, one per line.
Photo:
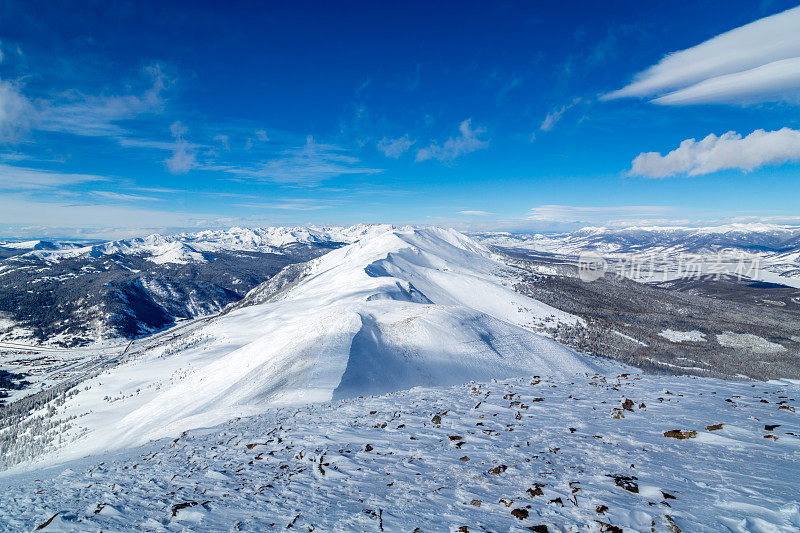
column 403, row 308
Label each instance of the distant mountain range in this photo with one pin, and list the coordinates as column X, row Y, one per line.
column 777, row 247
column 76, row 293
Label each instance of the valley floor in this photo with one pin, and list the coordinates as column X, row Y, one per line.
column 513, row 455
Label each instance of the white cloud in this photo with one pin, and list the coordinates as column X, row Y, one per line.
column 593, row 214
column 13, row 178
column 467, row 141
column 729, row 151
column 776, row 81
column 183, row 154
column 475, row 213
column 754, row 63
column 261, row 135
column 395, row 147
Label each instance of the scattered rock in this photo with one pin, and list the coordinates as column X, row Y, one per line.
column 714, row 427
column 455, row 437
column 498, row 469
column 178, row 506
column 628, row 404
column 608, row 528
column 539, row 529
column 47, row 523
column 368, row 448
column 601, row 509
column 667, row 495
column 521, row 514
column 536, row 491
column 678, row 434
column 476, row 503
column 626, row 482
column 465, row 458
column 771, row 427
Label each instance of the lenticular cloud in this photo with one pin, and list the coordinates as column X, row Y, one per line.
column 728, row 151
column 754, row 63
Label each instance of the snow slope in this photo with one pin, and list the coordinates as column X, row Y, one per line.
column 398, row 309
column 551, row 454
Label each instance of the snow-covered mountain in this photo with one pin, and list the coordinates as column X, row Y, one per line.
column 775, row 247
column 189, row 247
column 398, row 309
column 70, row 293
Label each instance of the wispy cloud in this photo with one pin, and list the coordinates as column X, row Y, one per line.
column 395, row 147
column 754, row 63
column 728, row 151
column 467, row 141
column 475, row 213
column 99, row 116
column 159, row 190
column 552, row 118
column 308, row 165
column 110, row 195
column 183, row 157
column 15, row 111
column 14, row 178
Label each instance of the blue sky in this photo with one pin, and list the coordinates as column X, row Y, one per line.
column 128, row 118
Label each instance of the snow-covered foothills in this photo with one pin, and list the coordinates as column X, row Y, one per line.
column 571, row 454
